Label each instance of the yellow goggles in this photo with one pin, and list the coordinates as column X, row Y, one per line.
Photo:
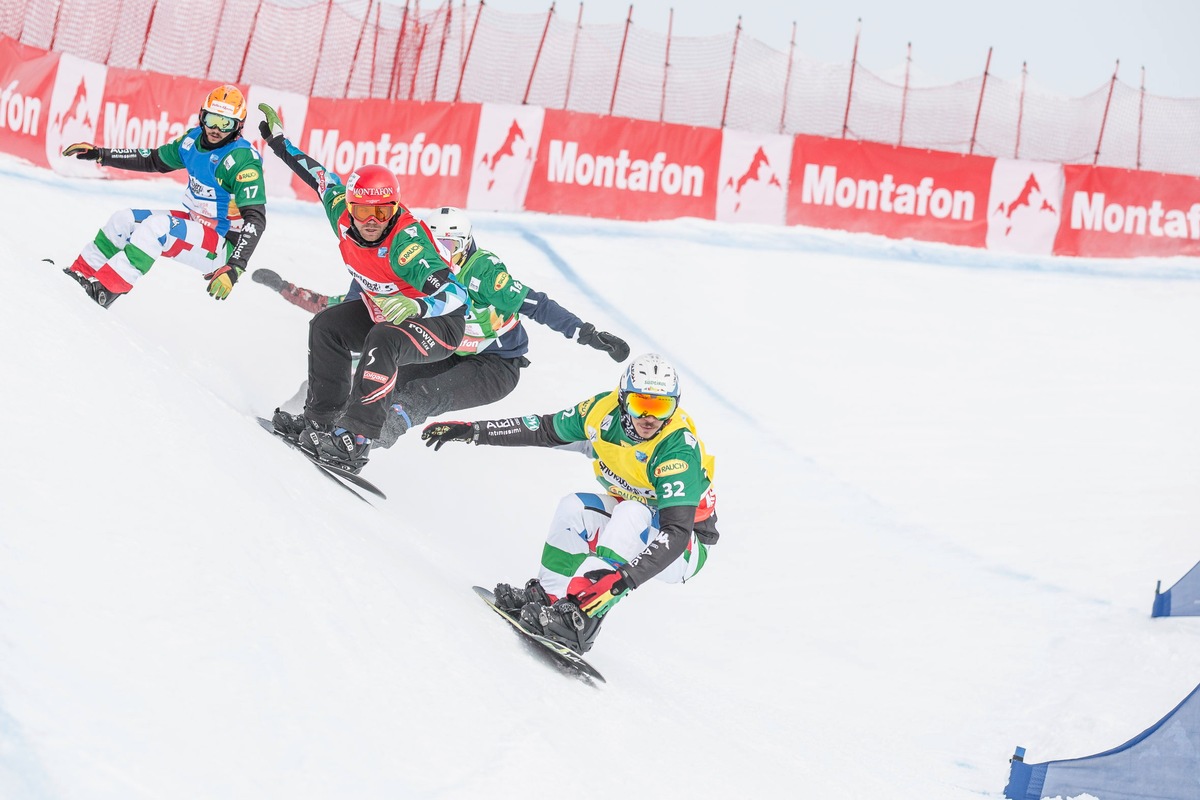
column 218, row 121
column 650, row 405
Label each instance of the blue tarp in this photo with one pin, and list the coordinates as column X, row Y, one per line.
column 1182, row 599
column 1161, row 763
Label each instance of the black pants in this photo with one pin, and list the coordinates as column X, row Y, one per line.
column 389, row 353
column 453, row 384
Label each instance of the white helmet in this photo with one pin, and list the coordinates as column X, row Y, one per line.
column 649, row 388
column 452, row 227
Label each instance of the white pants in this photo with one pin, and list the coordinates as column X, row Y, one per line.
column 596, row 531
column 125, row 248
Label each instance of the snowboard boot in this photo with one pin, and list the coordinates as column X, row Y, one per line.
column 95, row 289
column 510, row 600
column 338, row 448
column 289, row 426
column 562, row 622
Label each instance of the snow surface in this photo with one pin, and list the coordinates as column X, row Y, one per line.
column 948, row 482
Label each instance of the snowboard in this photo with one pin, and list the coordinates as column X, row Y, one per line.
column 347, row 480
column 561, row 656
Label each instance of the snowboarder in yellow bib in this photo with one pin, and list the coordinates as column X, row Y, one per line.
column 655, row 519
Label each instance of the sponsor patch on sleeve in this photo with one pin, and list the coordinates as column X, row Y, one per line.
column 247, row 175
column 409, row 253
column 501, row 280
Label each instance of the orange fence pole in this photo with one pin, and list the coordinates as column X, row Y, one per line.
column 1020, row 110
column 737, row 34
column 362, row 29
column 979, row 107
column 787, row 80
column 574, row 47
column 1104, row 120
column 662, row 103
column 538, row 55
column 320, row 50
column 462, row 73
column 853, row 66
column 904, row 97
column 620, row 59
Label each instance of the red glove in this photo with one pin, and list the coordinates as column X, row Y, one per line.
column 607, row 588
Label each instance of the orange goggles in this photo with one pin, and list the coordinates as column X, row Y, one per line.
column 382, row 213
column 650, row 405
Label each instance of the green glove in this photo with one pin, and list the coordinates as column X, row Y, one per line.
column 397, row 307
column 272, row 127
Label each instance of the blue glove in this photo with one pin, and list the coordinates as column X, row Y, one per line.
column 607, row 588
column 397, row 307
column 221, row 281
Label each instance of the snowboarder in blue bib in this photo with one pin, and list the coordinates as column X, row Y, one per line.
column 223, row 215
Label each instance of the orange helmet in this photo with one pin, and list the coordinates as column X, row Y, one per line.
column 226, row 100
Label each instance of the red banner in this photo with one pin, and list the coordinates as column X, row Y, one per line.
column 1117, row 213
column 562, row 162
column 26, row 83
column 615, row 168
column 897, row 192
column 430, row 146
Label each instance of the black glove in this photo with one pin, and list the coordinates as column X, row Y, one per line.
column 268, row 278
column 604, row 341
column 436, row 434
column 84, row 151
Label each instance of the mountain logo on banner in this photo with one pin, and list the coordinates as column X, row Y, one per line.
column 74, row 112
column 506, row 145
column 1024, row 206
column 760, row 166
column 1031, row 197
column 752, row 181
column 506, row 150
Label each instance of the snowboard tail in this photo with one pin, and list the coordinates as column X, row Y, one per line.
column 347, row 480
column 563, row 657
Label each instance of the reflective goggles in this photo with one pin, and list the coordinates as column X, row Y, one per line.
column 218, row 122
column 452, row 245
column 363, row 213
column 650, row 405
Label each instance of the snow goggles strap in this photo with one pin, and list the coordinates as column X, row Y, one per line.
column 650, row 405
column 219, row 122
column 383, row 213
